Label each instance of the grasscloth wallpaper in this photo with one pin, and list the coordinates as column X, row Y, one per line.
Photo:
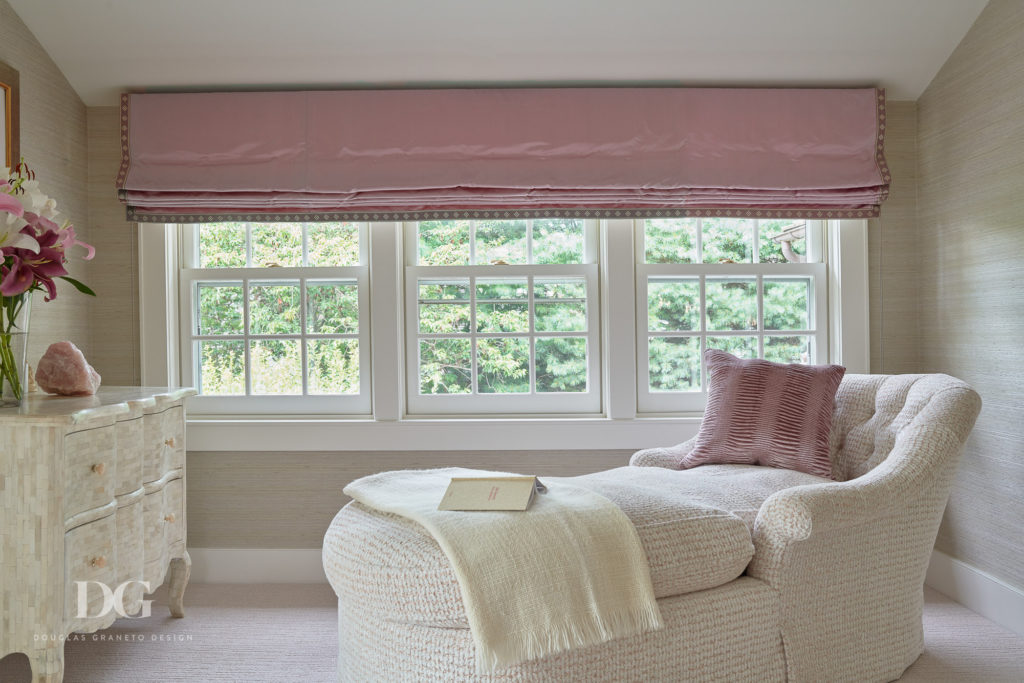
column 971, row 251
column 53, row 141
column 892, row 257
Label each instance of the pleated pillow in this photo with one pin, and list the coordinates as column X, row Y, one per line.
column 764, row 413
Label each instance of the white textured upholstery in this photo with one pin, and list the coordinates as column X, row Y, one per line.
column 833, row 592
column 400, row 568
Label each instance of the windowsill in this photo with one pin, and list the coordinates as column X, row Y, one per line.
column 299, row 434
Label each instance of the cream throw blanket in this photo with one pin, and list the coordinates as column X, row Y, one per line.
column 567, row 573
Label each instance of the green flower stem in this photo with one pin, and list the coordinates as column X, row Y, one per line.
column 9, row 366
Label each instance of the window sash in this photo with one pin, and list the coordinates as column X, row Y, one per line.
column 591, row 245
column 263, row 404
column 588, row 402
column 649, row 401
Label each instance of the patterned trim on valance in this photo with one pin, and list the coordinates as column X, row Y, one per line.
column 511, row 214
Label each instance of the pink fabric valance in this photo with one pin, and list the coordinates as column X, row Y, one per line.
column 393, row 154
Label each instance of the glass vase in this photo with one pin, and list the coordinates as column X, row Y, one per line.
column 14, row 319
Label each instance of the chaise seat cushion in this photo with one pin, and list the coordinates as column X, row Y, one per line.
column 694, row 525
column 739, row 489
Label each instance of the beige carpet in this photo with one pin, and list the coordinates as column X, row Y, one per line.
column 285, row 633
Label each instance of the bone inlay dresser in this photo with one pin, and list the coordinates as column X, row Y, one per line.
column 92, row 489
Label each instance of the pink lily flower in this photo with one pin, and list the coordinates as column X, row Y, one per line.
column 27, row 268
column 11, row 205
column 68, row 239
column 10, row 234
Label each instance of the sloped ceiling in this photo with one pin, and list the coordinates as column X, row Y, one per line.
column 108, row 46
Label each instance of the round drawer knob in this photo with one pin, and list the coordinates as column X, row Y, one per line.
column 170, row 442
column 99, row 468
column 98, row 562
column 169, row 518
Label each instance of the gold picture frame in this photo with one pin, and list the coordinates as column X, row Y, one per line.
column 10, row 147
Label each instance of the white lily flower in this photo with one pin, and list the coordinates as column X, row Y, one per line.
column 14, row 238
column 32, row 199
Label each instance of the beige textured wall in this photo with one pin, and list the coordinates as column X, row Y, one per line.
column 115, row 353
column 287, row 500
column 971, row 230
column 53, row 142
column 892, row 256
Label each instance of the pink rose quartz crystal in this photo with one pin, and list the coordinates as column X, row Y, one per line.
column 63, row 370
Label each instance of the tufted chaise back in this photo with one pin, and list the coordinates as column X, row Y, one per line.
column 871, row 410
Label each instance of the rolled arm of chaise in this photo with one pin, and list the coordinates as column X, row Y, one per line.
column 668, row 457
column 848, row 560
column 798, row 513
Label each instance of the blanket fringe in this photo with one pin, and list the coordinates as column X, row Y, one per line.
column 519, row 647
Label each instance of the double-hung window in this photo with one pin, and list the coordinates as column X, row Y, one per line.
column 502, row 316
column 755, row 288
column 272, row 317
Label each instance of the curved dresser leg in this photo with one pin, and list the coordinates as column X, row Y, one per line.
column 181, row 567
column 47, row 664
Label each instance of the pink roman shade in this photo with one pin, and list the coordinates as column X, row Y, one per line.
column 392, row 154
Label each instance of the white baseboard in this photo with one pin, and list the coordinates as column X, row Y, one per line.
column 257, row 565
column 978, row 591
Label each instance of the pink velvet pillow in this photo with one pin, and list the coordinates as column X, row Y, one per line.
column 764, row 413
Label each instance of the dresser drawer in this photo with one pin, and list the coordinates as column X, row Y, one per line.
column 174, row 438
column 129, row 455
column 174, row 514
column 89, row 469
column 153, row 447
column 89, row 556
column 154, row 544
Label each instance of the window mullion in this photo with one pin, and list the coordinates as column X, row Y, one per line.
column 703, row 327
column 757, row 241
column 248, row 245
column 303, row 307
column 529, row 241
column 474, row 370
column 384, row 320
column 246, row 323
column 700, row 241
column 531, row 337
column 619, row 317
column 760, row 316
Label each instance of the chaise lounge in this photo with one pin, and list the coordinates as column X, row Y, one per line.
column 760, row 573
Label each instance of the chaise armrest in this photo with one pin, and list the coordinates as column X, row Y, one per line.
column 846, row 554
column 797, row 513
column 668, row 457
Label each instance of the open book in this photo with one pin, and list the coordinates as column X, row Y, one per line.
column 491, row 493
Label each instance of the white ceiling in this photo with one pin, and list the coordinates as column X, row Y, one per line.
column 107, row 46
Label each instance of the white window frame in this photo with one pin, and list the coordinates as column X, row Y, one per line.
column 652, row 402
column 391, row 429
column 475, row 404
column 337, row 404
